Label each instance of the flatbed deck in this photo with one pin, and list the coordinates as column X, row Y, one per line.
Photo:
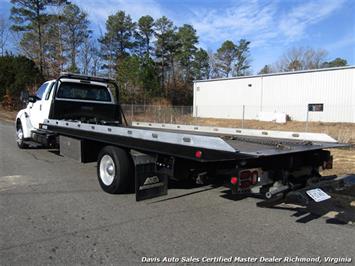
column 258, row 146
column 216, row 146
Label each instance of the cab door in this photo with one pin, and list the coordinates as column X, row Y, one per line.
column 39, row 110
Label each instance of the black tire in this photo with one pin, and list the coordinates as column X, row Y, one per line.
column 19, row 136
column 121, row 177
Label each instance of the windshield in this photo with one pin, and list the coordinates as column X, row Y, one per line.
column 80, row 91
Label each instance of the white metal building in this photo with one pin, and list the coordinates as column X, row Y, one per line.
column 290, row 92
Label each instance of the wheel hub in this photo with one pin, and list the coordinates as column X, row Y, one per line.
column 107, row 170
column 19, row 135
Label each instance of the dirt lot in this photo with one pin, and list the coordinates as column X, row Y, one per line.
column 7, row 115
column 344, row 159
column 344, row 162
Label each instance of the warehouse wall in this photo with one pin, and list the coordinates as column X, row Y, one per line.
column 289, row 93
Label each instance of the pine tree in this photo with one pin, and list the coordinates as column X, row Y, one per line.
column 31, row 17
column 187, row 41
column 118, row 39
column 75, row 28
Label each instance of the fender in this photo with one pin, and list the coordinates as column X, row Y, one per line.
column 27, row 127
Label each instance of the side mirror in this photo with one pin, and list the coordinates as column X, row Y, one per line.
column 24, row 96
column 32, row 99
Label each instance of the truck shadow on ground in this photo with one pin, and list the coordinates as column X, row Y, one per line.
column 340, row 209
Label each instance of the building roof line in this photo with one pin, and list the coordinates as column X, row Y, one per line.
column 280, row 73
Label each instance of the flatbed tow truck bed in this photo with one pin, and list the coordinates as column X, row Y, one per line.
column 205, row 146
column 182, row 142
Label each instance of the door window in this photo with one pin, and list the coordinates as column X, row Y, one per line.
column 49, row 91
column 41, row 90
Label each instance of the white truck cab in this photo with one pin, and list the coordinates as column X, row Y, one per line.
column 28, row 120
column 36, row 111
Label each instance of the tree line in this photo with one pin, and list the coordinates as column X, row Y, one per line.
column 150, row 58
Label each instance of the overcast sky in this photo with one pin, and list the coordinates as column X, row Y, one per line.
column 271, row 26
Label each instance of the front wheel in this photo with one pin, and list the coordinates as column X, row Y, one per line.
column 20, row 137
column 114, row 170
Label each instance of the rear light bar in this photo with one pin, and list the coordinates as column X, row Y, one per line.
column 246, row 178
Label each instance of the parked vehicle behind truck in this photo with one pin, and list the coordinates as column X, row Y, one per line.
column 82, row 116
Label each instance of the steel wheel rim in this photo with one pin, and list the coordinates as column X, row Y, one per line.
column 107, row 170
column 19, row 135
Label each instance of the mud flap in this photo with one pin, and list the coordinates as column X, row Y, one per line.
column 149, row 182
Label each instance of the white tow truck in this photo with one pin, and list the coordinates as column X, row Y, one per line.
column 82, row 116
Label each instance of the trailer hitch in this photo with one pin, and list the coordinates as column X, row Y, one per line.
column 279, row 190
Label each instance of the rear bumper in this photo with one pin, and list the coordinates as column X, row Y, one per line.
column 330, row 184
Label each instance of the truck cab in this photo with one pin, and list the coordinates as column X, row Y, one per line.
column 67, row 97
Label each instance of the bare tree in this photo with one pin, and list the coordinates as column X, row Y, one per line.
column 85, row 55
column 301, row 59
column 213, row 65
column 96, row 64
column 314, row 59
column 90, row 56
column 4, row 35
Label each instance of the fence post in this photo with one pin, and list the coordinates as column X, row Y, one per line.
column 243, row 116
column 182, row 117
column 307, row 120
column 172, row 111
column 196, row 119
column 155, row 114
column 131, row 112
column 164, row 115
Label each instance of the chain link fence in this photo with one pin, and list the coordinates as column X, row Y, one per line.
column 223, row 116
column 158, row 113
column 179, row 114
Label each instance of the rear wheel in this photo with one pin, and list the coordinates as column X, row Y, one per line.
column 114, row 170
column 20, row 137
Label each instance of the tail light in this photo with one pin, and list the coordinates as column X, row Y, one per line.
column 234, row 180
column 198, row 154
column 254, row 177
column 248, row 177
column 245, row 179
column 244, row 175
